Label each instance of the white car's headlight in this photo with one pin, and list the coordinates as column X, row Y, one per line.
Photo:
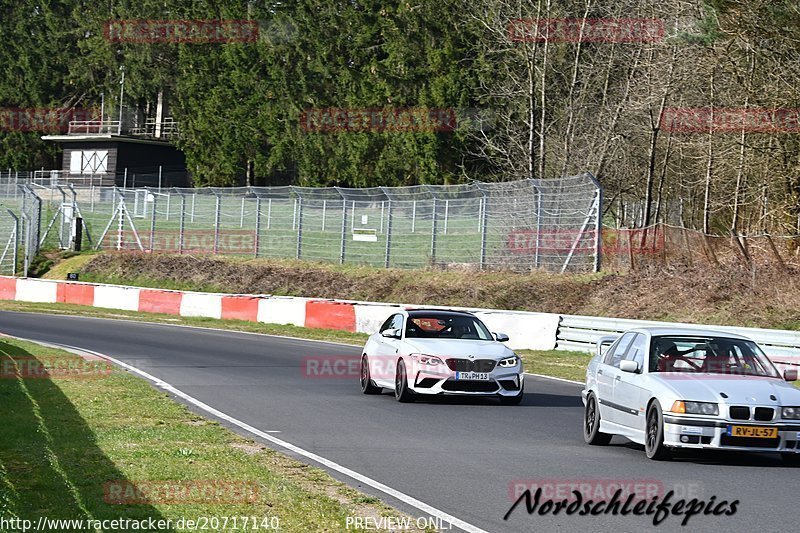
column 695, row 408
column 427, row 360
column 509, row 362
column 790, row 413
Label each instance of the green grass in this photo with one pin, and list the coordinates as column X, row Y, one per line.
column 456, row 242
column 64, row 438
column 556, row 363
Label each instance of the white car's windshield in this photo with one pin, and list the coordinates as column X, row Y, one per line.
column 436, row 326
column 709, row 355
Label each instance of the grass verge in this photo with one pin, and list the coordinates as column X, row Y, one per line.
column 70, row 445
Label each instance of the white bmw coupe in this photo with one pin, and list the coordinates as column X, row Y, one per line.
column 671, row 388
column 434, row 352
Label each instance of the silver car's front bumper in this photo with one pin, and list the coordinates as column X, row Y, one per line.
column 691, row 432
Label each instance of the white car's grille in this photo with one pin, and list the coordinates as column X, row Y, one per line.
column 467, row 365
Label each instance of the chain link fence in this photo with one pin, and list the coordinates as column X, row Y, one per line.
column 529, row 224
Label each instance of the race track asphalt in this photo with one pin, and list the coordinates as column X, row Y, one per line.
column 460, row 456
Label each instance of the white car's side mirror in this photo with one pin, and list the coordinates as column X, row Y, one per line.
column 790, row 374
column 629, row 366
column 500, row 337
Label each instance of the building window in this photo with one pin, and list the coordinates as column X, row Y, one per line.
column 88, row 162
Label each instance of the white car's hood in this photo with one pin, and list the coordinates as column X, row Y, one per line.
column 460, row 348
column 743, row 390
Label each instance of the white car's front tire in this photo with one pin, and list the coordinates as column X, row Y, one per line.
column 367, row 385
column 401, row 391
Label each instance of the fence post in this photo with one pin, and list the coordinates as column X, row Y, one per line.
column 324, row 208
column 482, row 209
column 241, row 215
column 538, row 228
column 269, row 212
column 194, row 197
column 413, row 215
column 182, row 223
column 152, row 221
column 26, row 224
column 598, row 236
column 387, row 255
column 124, row 179
column 15, row 251
column 258, row 226
column 216, row 222
column 299, row 204
column 433, row 232
column 344, row 232
column 383, row 209
column 168, row 198
column 294, row 214
column 159, row 178
column 446, row 214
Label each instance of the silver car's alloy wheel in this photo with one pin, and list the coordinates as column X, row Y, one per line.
column 654, row 437
column 591, row 424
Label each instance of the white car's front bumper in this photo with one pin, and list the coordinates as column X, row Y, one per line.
column 501, row 382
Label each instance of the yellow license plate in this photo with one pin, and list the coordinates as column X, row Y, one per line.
column 753, row 432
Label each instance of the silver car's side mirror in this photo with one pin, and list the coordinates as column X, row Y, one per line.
column 391, row 333
column 790, row 374
column 629, row 366
column 500, row 337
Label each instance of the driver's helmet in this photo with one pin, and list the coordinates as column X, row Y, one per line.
column 666, row 348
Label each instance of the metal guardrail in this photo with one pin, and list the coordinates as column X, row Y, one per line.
column 580, row 333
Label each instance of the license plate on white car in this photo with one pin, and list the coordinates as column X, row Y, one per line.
column 472, row 376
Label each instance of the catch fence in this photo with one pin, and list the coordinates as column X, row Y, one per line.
column 522, row 225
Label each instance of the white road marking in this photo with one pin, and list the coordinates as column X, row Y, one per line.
column 409, row 500
column 554, row 378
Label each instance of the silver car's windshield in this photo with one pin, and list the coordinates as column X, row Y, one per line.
column 709, row 355
column 435, row 326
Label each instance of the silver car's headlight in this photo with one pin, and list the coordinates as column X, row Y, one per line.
column 427, row 360
column 509, row 362
column 695, row 408
column 790, row 413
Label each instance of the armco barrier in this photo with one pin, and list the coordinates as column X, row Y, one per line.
column 580, row 333
column 154, row 301
column 75, row 293
column 526, row 330
column 537, row 331
column 240, row 308
column 201, row 304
